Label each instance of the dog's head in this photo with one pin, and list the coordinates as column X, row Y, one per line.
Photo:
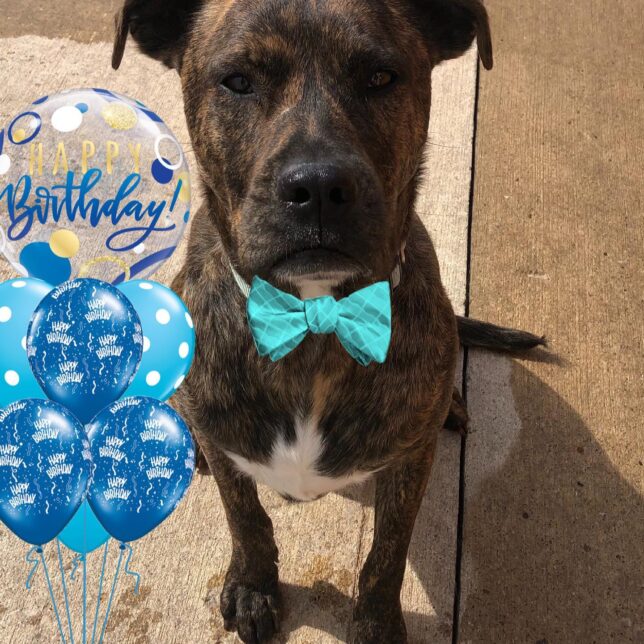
column 308, row 119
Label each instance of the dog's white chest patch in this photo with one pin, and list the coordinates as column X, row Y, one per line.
column 291, row 469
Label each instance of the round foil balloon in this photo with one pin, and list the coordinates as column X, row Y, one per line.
column 92, row 184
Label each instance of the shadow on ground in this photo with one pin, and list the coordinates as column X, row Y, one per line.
column 553, row 537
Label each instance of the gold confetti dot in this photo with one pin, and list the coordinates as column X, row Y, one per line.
column 184, row 192
column 19, row 135
column 83, row 271
column 119, row 116
column 64, row 243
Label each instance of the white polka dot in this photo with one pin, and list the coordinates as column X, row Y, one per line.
column 153, row 378
column 146, row 286
column 67, row 118
column 11, row 378
column 163, row 317
column 146, row 344
column 23, row 343
column 178, row 383
column 189, row 320
column 5, row 313
column 5, row 163
column 19, row 284
column 138, row 250
column 184, row 349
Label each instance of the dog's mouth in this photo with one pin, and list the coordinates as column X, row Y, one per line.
column 318, row 263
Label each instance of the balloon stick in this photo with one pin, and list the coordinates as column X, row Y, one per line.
column 84, row 599
column 51, row 594
column 100, row 590
column 109, row 601
column 62, row 578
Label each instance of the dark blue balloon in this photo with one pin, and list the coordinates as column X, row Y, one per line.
column 45, row 465
column 144, row 461
column 84, row 345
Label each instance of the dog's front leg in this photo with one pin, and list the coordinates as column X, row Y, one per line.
column 399, row 491
column 250, row 597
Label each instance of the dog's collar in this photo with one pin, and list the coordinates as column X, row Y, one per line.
column 394, row 278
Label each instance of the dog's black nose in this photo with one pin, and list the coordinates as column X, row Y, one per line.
column 317, row 189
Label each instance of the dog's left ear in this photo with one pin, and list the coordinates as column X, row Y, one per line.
column 160, row 28
column 451, row 26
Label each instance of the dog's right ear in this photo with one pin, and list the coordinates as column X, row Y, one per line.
column 450, row 26
column 160, row 28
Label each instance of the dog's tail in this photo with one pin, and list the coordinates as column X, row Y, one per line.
column 474, row 333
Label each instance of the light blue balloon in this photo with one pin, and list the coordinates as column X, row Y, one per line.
column 84, row 532
column 18, row 300
column 168, row 339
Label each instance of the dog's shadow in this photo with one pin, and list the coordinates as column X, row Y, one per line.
column 551, row 539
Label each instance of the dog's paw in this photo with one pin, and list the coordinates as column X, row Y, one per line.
column 375, row 627
column 252, row 612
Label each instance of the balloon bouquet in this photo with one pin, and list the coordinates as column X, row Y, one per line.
column 93, row 186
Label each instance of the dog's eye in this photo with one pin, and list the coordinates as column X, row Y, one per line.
column 382, row 79
column 238, row 84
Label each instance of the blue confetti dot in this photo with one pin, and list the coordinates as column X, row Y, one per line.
column 105, row 92
column 40, row 100
column 186, row 217
column 160, row 173
column 82, row 107
column 41, row 262
column 151, row 115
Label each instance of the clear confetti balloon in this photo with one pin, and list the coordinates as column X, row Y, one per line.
column 92, row 184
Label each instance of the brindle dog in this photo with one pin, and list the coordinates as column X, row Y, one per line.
column 308, row 120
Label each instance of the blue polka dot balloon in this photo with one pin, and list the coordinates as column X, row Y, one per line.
column 168, row 339
column 18, row 301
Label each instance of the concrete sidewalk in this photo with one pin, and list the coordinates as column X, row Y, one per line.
column 540, row 541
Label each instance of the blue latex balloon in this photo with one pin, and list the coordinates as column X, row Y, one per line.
column 84, row 532
column 18, row 300
column 84, row 345
column 45, row 465
column 168, row 339
column 144, row 461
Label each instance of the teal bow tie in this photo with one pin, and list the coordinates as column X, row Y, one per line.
column 280, row 321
